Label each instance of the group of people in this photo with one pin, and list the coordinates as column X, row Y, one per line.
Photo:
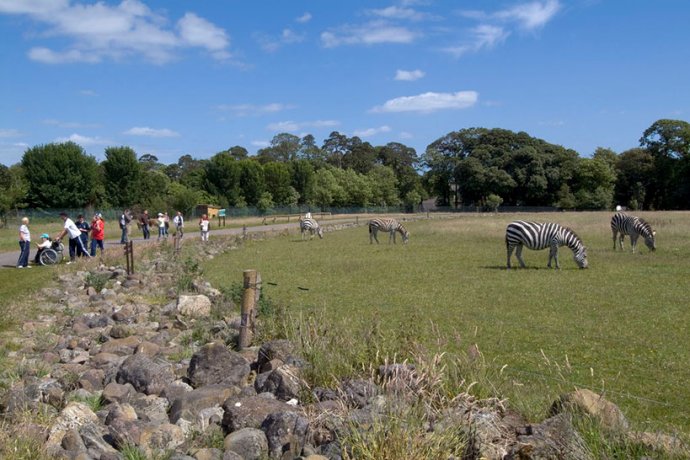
column 78, row 233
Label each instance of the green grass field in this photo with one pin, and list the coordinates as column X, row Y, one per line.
column 620, row 327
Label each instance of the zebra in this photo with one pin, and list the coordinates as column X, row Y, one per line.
column 624, row 224
column 307, row 224
column 387, row 225
column 539, row 236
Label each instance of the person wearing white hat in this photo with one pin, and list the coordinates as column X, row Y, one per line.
column 161, row 226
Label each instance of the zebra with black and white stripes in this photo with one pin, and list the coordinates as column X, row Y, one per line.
column 391, row 226
column 623, row 224
column 307, row 224
column 537, row 236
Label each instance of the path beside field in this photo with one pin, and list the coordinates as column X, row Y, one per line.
column 9, row 259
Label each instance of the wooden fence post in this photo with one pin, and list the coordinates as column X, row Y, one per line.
column 249, row 299
column 129, row 257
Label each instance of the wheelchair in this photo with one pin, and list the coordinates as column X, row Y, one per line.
column 53, row 254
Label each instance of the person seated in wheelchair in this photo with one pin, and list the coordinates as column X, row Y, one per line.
column 45, row 243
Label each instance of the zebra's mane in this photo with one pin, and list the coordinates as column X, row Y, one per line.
column 578, row 240
column 645, row 225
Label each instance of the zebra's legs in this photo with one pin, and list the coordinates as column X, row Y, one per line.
column 391, row 236
column 372, row 235
column 615, row 233
column 553, row 254
column 518, row 254
column 621, row 239
column 509, row 249
column 633, row 242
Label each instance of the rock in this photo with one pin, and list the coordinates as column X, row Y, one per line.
column 145, row 375
column 194, row 305
column 94, row 436
column 250, row 412
column 190, row 405
column 73, row 416
column 208, row 454
column 151, row 408
column 358, row 393
column 285, row 432
column 667, row 446
column 248, row 443
column 554, row 438
column 156, row 439
column 120, row 331
column 283, row 382
column 214, row 363
column 122, row 411
column 592, row 404
column 124, row 346
column 275, row 349
column 116, row 393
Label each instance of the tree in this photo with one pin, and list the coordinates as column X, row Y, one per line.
column 61, row 175
column 278, row 183
column 310, row 151
column 303, row 176
column 594, row 182
column 13, row 188
column 335, row 147
column 383, row 186
column 153, row 188
column 223, row 178
column 252, row 181
column 634, row 177
column 149, row 162
column 356, row 188
column 284, row 147
column 121, row 174
column 668, row 141
column 326, row 190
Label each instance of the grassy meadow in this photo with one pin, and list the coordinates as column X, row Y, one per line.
column 619, row 328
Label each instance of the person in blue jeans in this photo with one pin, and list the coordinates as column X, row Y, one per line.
column 84, row 228
column 24, row 244
column 125, row 220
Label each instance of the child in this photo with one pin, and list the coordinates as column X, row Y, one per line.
column 43, row 245
column 205, row 226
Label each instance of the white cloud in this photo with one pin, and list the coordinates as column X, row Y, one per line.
column 405, row 135
column 69, row 124
column 88, row 92
column 483, row 37
column 151, row 132
column 197, row 31
column 397, row 12
column 83, row 140
column 261, row 144
column 409, row 75
column 293, row 126
column 243, row 110
column 531, row 15
column 372, row 131
column 429, row 102
column 306, row 17
column 99, row 31
column 5, row 133
column 271, row 44
column 372, row 33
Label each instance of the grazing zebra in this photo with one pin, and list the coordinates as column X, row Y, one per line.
column 387, row 225
column 634, row 226
column 307, row 224
column 539, row 236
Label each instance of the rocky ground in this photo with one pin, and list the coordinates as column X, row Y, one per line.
column 145, row 365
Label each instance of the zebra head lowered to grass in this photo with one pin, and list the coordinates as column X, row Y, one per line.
column 537, row 236
column 624, row 224
column 391, row 226
column 307, row 224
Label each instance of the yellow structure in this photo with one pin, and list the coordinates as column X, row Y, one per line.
column 210, row 210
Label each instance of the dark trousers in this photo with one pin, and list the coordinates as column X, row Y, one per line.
column 145, row 229
column 76, row 246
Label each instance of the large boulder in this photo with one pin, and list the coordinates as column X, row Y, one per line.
column 285, row 432
column 248, row 443
column 555, row 437
column 145, row 375
column 593, row 405
column 194, row 305
column 251, row 412
column 215, row 364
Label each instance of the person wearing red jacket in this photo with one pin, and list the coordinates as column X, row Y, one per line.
column 97, row 234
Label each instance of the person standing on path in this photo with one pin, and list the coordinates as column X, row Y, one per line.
column 178, row 220
column 75, row 240
column 84, row 228
column 205, row 227
column 161, row 226
column 24, row 244
column 144, row 220
column 97, row 234
column 125, row 220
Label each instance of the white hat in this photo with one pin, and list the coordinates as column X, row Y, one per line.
column 160, row 214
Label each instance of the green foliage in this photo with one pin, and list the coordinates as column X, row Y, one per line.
column 189, row 271
column 97, row 280
column 61, row 176
column 121, row 176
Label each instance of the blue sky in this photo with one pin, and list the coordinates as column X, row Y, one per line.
column 171, row 78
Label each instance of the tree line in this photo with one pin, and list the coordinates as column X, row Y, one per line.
column 473, row 167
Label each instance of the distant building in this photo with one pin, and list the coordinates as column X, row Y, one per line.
column 210, row 210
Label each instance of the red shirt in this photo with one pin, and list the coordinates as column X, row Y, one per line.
column 98, row 230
